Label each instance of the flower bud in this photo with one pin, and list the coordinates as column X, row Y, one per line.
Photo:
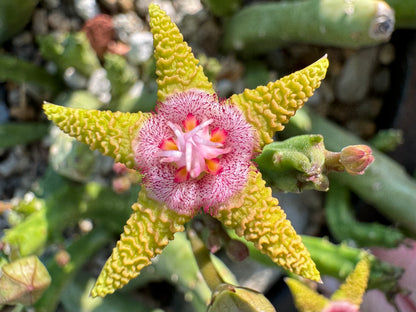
column 236, row 250
column 341, row 306
column 238, row 299
column 23, row 281
column 356, row 158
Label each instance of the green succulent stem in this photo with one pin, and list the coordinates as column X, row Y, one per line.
column 295, row 164
column 203, row 259
column 350, row 24
column 14, row 15
column 343, row 225
column 222, row 8
column 20, row 71
column 14, row 133
column 405, row 13
column 385, row 183
column 339, row 260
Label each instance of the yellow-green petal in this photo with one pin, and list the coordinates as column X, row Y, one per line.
column 109, row 132
column 256, row 215
column 353, row 289
column 306, row 299
column 176, row 67
column 267, row 108
column 147, row 232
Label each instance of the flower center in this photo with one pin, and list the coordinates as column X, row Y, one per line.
column 194, row 150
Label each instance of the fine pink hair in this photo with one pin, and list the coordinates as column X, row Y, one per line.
column 209, row 190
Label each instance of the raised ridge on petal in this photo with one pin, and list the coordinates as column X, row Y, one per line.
column 256, row 215
column 109, row 132
column 147, row 232
column 176, row 67
column 352, row 290
column 269, row 107
column 305, row 298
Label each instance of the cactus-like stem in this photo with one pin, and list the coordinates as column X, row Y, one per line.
column 405, row 12
column 295, row 164
column 344, row 226
column 265, row 26
column 385, row 184
column 202, row 257
column 222, row 8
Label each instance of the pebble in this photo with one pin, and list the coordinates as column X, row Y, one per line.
column 141, row 47
column 187, row 7
column 99, row 85
column 40, row 22
column 23, row 45
column 15, row 162
column 207, row 38
column 74, row 79
column 86, row 9
column 127, row 24
column 142, row 7
column 51, row 4
column 110, row 5
column 4, row 113
column 58, row 21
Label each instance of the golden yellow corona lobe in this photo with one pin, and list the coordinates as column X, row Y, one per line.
column 147, row 232
column 352, row 290
column 306, row 299
column 176, row 67
column 267, row 108
column 110, row 133
column 256, row 215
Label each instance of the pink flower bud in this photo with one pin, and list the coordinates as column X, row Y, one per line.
column 356, row 158
column 341, row 306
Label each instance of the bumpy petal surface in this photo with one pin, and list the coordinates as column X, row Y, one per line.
column 256, row 215
column 109, row 132
column 306, row 299
column 176, row 67
column 352, row 290
column 147, row 232
column 267, row 108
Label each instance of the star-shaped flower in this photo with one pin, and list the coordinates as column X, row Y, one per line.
column 346, row 299
column 195, row 154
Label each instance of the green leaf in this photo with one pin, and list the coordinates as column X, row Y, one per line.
column 12, row 134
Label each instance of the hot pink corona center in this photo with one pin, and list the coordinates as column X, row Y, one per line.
column 195, row 152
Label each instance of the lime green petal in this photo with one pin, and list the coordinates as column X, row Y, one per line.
column 267, row 108
column 306, row 299
column 256, row 215
column 147, row 232
column 354, row 287
column 176, row 67
column 110, row 133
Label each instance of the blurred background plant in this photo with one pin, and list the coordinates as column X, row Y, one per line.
column 63, row 206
